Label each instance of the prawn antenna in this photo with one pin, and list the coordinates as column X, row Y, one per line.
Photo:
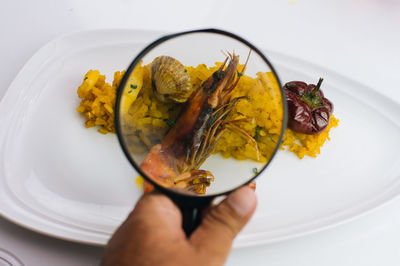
column 247, row 60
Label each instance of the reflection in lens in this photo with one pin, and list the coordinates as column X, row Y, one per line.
column 201, row 128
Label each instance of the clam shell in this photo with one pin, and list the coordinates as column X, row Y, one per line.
column 170, row 80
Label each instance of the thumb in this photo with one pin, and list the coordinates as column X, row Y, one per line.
column 222, row 223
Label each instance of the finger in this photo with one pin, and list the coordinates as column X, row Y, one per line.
column 158, row 212
column 154, row 214
column 155, row 221
column 223, row 222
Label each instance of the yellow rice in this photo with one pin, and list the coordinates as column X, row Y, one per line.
column 147, row 118
column 98, row 100
column 303, row 144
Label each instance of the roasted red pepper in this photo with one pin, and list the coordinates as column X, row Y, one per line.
column 309, row 110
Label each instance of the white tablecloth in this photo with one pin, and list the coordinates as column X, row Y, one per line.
column 358, row 38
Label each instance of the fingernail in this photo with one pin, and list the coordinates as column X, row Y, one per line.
column 243, row 201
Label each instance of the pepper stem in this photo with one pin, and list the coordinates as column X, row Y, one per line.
column 316, row 89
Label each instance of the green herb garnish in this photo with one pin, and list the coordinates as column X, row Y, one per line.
column 290, row 85
column 257, row 135
column 239, row 74
column 255, row 170
column 130, row 91
column 85, row 78
column 185, row 70
column 133, row 86
column 169, row 122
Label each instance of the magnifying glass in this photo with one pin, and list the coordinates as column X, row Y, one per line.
column 190, row 100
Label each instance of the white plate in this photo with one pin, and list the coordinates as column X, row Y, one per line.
column 63, row 180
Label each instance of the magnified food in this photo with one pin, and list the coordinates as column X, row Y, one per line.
column 170, row 80
column 204, row 118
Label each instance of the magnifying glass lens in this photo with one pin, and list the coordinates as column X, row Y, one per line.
column 200, row 113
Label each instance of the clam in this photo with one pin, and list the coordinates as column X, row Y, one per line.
column 170, row 80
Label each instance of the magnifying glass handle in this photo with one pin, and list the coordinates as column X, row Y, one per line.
column 192, row 214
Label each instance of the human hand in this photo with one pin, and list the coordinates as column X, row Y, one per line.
column 153, row 235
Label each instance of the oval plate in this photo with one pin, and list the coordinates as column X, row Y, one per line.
column 63, row 180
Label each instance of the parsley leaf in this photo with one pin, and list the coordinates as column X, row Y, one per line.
column 290, row 85
column 169, row 122
column 257, row 135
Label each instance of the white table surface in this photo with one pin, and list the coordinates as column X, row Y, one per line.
column 357, row 38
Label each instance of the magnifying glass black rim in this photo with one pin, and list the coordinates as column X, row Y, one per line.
column 132, row 66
